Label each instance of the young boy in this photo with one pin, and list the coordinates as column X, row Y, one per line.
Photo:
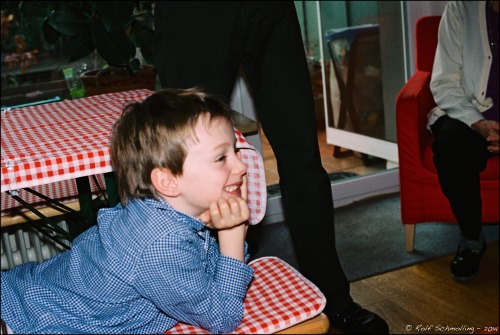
column 151, row 261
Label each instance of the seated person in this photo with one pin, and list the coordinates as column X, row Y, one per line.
column 464, row 84
column 174, row 248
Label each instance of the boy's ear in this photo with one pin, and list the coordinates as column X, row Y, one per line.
column 165, row 182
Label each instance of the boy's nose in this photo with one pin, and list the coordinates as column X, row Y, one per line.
column 239, row 167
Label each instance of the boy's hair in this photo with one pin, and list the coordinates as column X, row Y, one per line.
column 153, row 133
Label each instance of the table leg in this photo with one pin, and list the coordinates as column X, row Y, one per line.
column 111, row 189
column 46, row 226
column 85, row 199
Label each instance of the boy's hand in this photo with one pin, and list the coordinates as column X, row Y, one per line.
column 230, row 218
column 228, row 213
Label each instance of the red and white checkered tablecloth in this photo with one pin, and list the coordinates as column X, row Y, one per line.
column 62, row 140
column 278, row 297
column 52, row 144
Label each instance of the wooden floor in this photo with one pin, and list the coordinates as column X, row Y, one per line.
column 424, row 299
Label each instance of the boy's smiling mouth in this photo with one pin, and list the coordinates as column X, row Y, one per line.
column 233, row 189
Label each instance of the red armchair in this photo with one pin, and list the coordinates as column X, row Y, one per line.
column 420, row 192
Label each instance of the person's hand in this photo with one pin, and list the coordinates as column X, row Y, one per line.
column 230, row 218
column 229, row 212
column 489, row 130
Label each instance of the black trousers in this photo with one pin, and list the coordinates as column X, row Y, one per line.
column 204, row 44
column 460, row 154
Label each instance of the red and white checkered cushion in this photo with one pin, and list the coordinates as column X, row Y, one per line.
column 278, row 297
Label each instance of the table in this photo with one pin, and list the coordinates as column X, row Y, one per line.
column 56, row 147
column 59, row 141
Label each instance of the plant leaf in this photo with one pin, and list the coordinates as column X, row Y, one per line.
column 114, row 47
column 75, row 49
column 50, row 34
column 115, row 14
column 142, row 35
column 69, row 21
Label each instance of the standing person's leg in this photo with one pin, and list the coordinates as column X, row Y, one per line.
column 460, row 155
column 275, row 64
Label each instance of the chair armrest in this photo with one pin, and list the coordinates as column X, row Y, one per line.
column 413, row 103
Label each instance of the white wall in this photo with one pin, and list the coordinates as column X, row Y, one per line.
column 415, row 10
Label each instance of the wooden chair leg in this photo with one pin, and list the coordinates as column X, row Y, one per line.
column 317, row 325
column 409, row 237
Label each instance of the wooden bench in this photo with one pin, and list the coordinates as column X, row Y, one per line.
column 317, row 325
column 65, row 192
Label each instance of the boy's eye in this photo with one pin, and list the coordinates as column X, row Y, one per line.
column 221, row 158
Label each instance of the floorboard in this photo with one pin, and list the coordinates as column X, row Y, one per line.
column 424, row 299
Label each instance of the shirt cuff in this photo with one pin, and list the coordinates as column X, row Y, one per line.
column 234, row 276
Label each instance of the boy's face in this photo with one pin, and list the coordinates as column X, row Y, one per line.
column 211, row 169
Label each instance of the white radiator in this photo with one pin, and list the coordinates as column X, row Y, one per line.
column 25, row 244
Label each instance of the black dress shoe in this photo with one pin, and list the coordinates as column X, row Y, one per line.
column 357, row 320
column 465, row 265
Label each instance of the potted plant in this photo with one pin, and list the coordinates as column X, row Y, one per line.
column 116, row 30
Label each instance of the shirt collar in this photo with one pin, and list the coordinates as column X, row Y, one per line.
column 195, row 223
